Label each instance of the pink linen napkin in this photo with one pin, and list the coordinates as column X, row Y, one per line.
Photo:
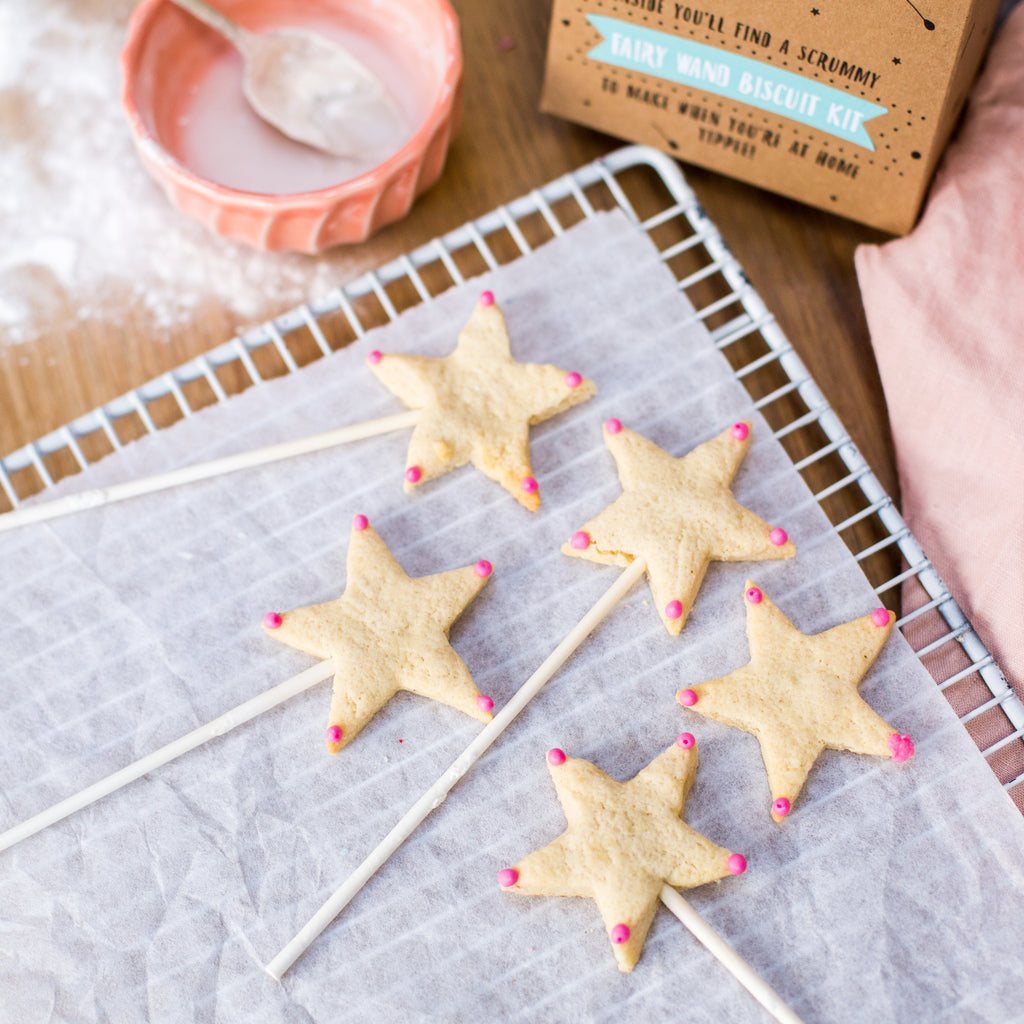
column 945, row 307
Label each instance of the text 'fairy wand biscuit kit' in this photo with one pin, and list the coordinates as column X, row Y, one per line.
column 845, row 106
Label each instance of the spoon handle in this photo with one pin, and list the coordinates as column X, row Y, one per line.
column 217, row 21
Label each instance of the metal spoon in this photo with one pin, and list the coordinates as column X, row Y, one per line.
column 311, row 89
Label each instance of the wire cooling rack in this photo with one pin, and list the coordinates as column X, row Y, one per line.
column 743, row 330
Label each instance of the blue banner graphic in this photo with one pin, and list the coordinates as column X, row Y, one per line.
column 742, row 79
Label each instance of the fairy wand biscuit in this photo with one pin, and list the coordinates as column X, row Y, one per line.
column 623, row 843
column 387, row 632
column 679, row 515
column 798, row 695
column 477, row 404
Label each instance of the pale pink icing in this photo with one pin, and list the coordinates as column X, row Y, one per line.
column 902, row 747
column 573, row 379
column 685, row 740
column 414, row 474
column 485, row 703
column 487, row 298
column 272, row 621
column 674, row 610
column 736, row 863
column 556, row 756
column 781, row 807
column 334, row 734
column 778, row 537
column 580, row 540
column 360, row 522
column 740, row 431
column 483, row 568
column 619, row 934
column 507, row 877
column 529, row 485
column 687, row 697
column 880, row 617
column 613, row 426
column 374, row 357
column 754, row 595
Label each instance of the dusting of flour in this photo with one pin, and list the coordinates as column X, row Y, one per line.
column 85, row 231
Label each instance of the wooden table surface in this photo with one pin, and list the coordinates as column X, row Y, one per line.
column 799, row 259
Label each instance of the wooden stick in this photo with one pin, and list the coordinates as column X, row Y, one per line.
column 45, row 510
column 225, row 723
column 437, row 793
column 728, row 957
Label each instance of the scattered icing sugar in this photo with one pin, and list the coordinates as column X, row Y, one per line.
column 87, row 234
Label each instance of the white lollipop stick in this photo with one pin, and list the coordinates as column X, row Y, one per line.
column 45, row 510
column 728, row 957
column 437, row 793
column 225, row 723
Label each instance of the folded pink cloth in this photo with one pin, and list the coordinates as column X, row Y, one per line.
column 945, row 307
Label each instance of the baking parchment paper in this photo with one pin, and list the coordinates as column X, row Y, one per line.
column 893, row 892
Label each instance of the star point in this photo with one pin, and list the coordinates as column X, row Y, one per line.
column 679, row 515
column 387, row 632
column 798, row 695
column 477, row 404
column 622, row 843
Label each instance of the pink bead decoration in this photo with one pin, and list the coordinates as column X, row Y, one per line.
column 685, row 740
column 613, row 426
column 674, row 610
column 754, row 595
column 687, row 697
column 272, row 621
column 619, row 934
column 573, row 379
column 556, row 756
column 736, row 864
column 414, row 474
column 778, row 537
column 507, row 877
column 781, row 807
column 334, row 734
column 529, row 485
column 374, row 357
column 360, row 522
column 740, row 431
column 902, row 747
column 580, row 541
column 880, row 617
column 483, row 568
column 485, row 703
column 487, row 298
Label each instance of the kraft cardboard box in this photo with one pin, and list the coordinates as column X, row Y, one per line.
column 844, row 105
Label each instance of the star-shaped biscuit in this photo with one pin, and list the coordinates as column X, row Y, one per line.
column 477, row 404
column 798, row 695
column 624, row 841
column 679, row 515
column 387, row 632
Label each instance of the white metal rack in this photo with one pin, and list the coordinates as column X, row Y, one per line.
column 739, row 320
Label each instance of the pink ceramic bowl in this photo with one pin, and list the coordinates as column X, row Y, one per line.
column 219, row 163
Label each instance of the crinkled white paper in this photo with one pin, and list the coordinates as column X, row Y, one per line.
column 893, row 892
